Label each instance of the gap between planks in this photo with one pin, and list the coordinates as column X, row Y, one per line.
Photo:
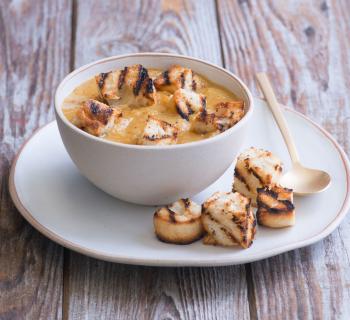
column 66, row 252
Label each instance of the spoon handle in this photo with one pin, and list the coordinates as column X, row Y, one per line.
column 270, row 96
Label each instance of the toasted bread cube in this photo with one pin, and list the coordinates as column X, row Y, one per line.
column 275, row 207
column 188, row 102
column 179, row 222
column 158, row 132
column 131, row 85
column 176, row 77
column 226, row 115
column 204, row 122
column 256, row 168
column 96, row 117
column 108, row 85
column 228, row 220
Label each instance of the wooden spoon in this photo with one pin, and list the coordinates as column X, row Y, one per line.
column 302, row 180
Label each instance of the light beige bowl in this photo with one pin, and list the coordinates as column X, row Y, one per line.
column 152, row 175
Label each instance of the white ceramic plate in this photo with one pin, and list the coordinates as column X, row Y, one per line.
column 51, row 194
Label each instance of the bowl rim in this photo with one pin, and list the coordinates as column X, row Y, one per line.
column 245, row 90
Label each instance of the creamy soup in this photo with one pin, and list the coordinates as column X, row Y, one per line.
column 130, row 125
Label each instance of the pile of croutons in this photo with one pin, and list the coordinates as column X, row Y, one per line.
column 228, row 218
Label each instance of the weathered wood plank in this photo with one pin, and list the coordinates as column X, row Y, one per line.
column 185, row 27
column 301, row 44
column 100, row 290
column 34, row 55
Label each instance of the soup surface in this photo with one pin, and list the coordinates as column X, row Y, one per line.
column 130, row 125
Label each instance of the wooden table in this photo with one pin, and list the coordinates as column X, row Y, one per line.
column 304, row 46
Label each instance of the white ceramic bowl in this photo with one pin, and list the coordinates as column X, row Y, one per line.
column 152, row 175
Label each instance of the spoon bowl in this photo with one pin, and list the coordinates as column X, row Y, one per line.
column 305, row 181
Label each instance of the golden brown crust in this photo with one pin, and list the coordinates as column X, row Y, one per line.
column 228, row 220
column 188, row 103
column 204, row 122
column 275, row 207
column 132, row 81
column 180, row 240
column 107, row 84
column 176, row 77
column 96, row 117
column 228, row 114
column 225, row 116
column 178, row 223
column 256, row 168
column 158, row 132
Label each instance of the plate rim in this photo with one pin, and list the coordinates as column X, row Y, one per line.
column 183, row 262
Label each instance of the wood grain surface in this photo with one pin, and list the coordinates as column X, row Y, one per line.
column 301, row 46
column 305, row 48
column 34, row 55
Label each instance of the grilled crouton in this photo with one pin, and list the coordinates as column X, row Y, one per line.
column 228, row 114
column 96, row 117
column 132, row 85
column 188, row 102
column 176, row 77
column 179, row 222
column 225, row 115
column 228, row 220
column 108, row 85
column 275, row 207
column 204, row 122
column 158, row 132
column 256, row 168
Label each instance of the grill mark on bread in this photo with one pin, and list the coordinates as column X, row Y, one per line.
column 166, row 77
column 254, row 228
column 149, row 86
column 228, row 234
column 238, row 175
column 171, row 214
column 194, row 85
column 241, row 227
column 142, row 74
column 182, row 114
column 182, row 79
column 223, row 229
column 278, row 168
column 186, row 202
column 203, row 103
column 102, row 79
column 154, row 138
column 121, row 79
column 253, row 172
column 288, row 205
